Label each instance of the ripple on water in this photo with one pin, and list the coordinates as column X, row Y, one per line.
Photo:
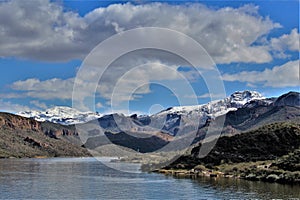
column 86, row 178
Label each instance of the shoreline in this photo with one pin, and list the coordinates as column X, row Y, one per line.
column 256, row 174
column 44, row 157
column 258, row 171
column 110, row 158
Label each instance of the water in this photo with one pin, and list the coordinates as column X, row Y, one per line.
column 87, row 178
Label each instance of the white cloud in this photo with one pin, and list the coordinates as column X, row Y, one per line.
column 137, row 80
column 44, row 30
column 117, row 79
column 286, row 75
column 99, row 105
column 39, row 29
column 118, row 84
column 39, row 105
column 285, row 42
column 6, row 106
column 49, row 89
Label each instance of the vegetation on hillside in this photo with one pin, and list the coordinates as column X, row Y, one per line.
column 269, row 153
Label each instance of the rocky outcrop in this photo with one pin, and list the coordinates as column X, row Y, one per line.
column 17, row 122
column 25, row 137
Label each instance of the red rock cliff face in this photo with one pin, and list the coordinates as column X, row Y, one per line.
column 14, row 122
column 19, row 123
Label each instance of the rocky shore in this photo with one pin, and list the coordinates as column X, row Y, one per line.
column 260, row 171
column 270, row 154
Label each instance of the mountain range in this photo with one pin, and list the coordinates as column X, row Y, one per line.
column 240, row 112
column 167, row 120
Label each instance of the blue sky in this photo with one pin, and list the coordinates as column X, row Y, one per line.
column 254, row 45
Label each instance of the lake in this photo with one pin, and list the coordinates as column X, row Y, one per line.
column 87, row 178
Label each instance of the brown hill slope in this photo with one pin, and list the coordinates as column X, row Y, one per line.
column 23, row 137
column 265, row 143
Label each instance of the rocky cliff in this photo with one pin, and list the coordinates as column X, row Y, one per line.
column 25, row 137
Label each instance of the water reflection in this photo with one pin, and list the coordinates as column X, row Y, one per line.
column 87, row 178
column 261, row 190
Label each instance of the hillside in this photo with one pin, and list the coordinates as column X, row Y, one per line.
column 272, row 149
column 24, row 137
column 265, row 143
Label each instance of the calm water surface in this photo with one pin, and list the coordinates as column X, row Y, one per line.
column 87, row 178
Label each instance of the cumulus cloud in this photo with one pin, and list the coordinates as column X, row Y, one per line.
column 115, row 80
column 49, row 89
column 138, row 79
column 121, row 80
column 39, row 30
column 117, row 85
column 227, row 34
column 286, row 42
column 286, row 75
column 44, row 30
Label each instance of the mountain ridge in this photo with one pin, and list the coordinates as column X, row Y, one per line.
column 252, row 115
column 179, row 120
column 123, row 130
column 67, row 115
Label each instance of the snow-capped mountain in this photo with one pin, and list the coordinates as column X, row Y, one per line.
column 191, row 116
column 168, row 120
column 61, row 114
column 217, row 107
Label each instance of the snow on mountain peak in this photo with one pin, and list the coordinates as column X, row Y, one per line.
column 62, row 111
column 217, row 107
column 67, row 115
column 243, row 97
column 61, row 114
column 192, row 115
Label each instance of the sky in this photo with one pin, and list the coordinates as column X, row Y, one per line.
column 55, row 53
